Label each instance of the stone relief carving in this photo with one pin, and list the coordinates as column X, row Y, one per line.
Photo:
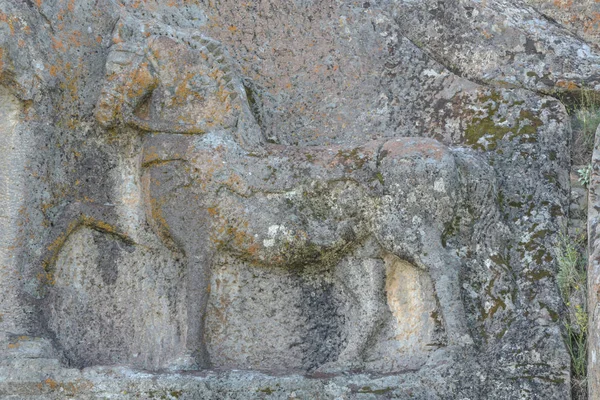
column 212, row 186
column 366, row 252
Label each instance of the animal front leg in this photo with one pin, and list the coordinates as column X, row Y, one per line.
column 179, row 217
column 194, row 354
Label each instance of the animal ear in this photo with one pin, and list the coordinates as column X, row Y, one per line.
column 249, row 133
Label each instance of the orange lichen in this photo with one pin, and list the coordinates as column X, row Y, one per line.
column 213, row 211
column 46, row 278
column 568, row 85
column 564, row 4
column 141, row 80
column 57, row 44
column 51, row 383
column 593, row 24
column 75, row 38
column 46, row 207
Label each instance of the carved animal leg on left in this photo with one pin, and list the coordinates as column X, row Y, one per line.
column 99, row 217
column 96, row 216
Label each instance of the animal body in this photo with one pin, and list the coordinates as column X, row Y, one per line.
column 213, row 185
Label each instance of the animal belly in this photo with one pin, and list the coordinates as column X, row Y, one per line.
column 314, row 223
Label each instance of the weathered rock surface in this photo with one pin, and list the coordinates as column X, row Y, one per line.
column 593, row 271
column 343, row 199
column 502, row 43
column 580, row 17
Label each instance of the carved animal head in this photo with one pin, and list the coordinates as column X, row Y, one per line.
column 129, row 79
column 160, row 79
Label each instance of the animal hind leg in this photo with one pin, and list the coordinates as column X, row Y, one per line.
column 445, row 269
column 362, row 279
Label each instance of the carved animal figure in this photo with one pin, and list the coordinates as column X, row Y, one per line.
column 213, row 185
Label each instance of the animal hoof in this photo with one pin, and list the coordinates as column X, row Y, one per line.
column 338, row 367
column 185, row 362
column 25, row 347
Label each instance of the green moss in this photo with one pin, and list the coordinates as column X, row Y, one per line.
column 499, row 260
column 379, row 177
column 450, row 228
column 253, row 102
column 367, row 389
column 436, row 317
column 498, row 302
column 553, row 314
column 352, row 157
column 486, row 126
column 537, row 275
column 266, row 390
column 501, row 200
column 556, row 211
column 528, row 124
column 501, row 334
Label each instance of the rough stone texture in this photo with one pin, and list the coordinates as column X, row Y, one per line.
column 581, row 17
column 503, row 43
column 343, row 199
column 594, row 273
